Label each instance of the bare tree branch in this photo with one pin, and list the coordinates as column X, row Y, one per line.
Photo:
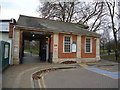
column 111, row 7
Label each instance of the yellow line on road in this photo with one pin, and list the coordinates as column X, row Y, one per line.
column 39, row 84
column 43, row 82
column 83, row 65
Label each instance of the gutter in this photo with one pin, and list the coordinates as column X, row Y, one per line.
column 49, row 30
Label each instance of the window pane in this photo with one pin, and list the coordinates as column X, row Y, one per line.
column 87, row 49
column 88, row 45
column 67, row 44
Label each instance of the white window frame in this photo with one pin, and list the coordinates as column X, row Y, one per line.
column 90, row 44
column 70, row 43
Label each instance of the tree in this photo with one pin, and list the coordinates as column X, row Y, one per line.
column 78, row 12
column 62, row 11
column 93, row 15
column 111, row 8
column 118, row 17
column 103, row 43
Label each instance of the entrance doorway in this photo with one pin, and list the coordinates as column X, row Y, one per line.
column 35, row 47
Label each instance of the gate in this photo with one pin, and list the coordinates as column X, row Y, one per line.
column 5, row 51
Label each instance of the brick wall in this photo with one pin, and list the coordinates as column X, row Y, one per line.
column 61, row 54
column 51, row 44
column 11, row 30
column 88, row 55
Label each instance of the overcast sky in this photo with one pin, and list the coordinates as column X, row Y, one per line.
column 13, row 8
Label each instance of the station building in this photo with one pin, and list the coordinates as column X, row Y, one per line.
column 58, row 41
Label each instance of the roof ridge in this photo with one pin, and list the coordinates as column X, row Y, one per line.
column 54, row 20
column 49, row 24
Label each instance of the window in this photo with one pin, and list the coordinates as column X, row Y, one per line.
column 88, row 45
column 4, row 26
column 118, row 3
column 67, row 44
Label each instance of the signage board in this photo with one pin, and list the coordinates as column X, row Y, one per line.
column 74, row 47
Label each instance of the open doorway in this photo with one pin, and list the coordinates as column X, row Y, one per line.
column 35, row 47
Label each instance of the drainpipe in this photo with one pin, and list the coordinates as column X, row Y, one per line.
column 0, row 58
column 12, row 45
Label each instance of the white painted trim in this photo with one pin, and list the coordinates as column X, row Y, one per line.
column 90, row 44
column 70, row 43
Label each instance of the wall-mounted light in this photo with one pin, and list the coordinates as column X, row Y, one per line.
column 95, row 38
column 71, row 32
column 33, row 35
column 46, row 37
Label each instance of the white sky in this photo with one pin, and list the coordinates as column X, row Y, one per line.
column 13, row 8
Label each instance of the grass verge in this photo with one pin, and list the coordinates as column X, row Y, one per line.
column 32, row 50
column 105, row 51
column 111, row 58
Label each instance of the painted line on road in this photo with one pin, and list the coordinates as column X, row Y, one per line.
column 83, row 65
column 39, row 84
column 106, row 73
column 103, row 71
column 43, row 82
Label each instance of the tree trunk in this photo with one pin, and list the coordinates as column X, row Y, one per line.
column 111, row 10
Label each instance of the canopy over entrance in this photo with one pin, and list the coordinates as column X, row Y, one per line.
column 35, row 47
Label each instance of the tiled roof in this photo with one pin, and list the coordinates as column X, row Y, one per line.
column 53, row 25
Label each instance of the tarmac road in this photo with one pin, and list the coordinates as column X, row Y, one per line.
column 19, row 76
column 77, row 78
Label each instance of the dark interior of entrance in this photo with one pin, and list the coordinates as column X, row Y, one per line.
column 36, row 47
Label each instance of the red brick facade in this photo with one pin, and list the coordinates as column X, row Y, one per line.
column 61, row 54
column 11, row 30
column 88, row 55
column 51, row 44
